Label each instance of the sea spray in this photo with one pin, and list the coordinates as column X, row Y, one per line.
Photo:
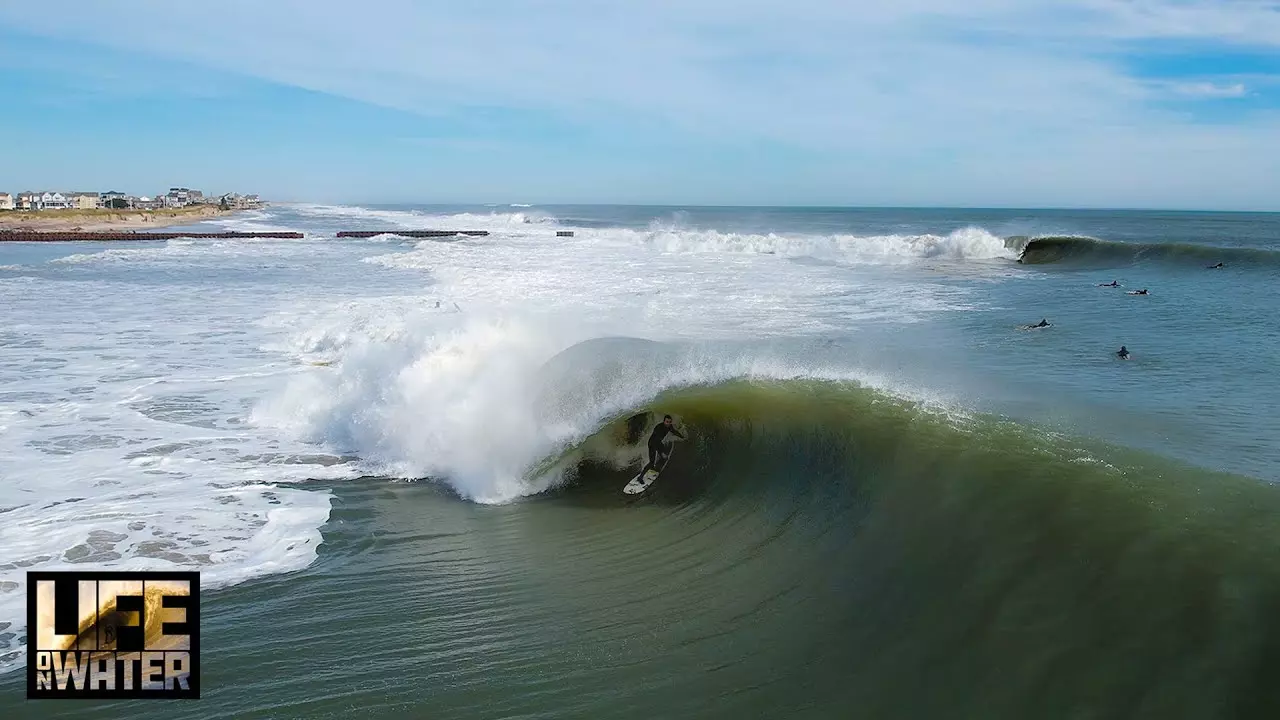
column 479, row 400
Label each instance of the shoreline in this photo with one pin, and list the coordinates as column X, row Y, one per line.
column 106, row 220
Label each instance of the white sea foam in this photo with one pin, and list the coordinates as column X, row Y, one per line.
column 465, row 398
column 251, row 221
column 965, row 244
column 971, row 243
column 179, row 253
column 125, row 255
column 422, row 220
column 124, row 443
column 606, row 275
column 345, row 214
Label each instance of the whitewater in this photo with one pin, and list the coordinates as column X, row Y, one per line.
column 192, row 404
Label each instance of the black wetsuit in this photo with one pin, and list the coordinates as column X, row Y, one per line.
column 655, row 444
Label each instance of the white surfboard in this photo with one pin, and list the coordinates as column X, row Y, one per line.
column 639, row 484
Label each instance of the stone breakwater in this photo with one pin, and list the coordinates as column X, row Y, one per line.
column 73, row 236
column 411, row 233
column 427, row 233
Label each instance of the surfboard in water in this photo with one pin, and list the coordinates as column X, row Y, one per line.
column 639, row 484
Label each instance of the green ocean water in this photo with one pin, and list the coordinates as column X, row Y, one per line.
column 818, row 551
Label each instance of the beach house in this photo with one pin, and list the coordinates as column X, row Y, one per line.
column 6, row 202
column 85, row 201
column 180, row 197
column 115, row 200
column 28, row 201
column 54, row 201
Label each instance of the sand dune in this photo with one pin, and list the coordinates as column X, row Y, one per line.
column 98, row 220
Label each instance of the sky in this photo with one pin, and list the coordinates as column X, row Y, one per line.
column 988, row 103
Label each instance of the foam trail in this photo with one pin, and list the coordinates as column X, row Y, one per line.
column 122, row 441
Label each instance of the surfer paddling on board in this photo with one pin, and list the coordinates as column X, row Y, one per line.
column 1113, row 283
column 1143, row 291
column 656, row 438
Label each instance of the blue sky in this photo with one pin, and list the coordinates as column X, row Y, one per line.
column 1087, row 103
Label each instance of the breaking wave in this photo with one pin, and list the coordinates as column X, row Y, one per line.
column 965, row 244
column 477, row 402
column 1074, row 250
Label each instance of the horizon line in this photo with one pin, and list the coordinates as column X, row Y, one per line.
column 717, row 206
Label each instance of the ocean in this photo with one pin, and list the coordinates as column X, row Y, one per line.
column 398, row 463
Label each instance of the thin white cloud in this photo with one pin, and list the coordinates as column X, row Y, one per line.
column 1208, row 89
column 1255, row 22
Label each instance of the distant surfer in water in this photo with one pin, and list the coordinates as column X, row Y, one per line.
column 1044, row 323
column 1113, row 283
column 1123, row 353
column 1143, row 291
column 1215, row 267
column 656, row 449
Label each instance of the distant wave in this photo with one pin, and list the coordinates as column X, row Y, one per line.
column 1078, row 250
column 417, row 219
column 970, row 243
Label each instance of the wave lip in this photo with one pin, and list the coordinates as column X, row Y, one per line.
column 1084, row 250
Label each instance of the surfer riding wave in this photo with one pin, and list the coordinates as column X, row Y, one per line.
column 657, row 445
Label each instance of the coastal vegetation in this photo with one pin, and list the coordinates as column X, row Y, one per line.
column 71, row 219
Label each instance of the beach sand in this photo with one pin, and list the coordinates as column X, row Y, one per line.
column 105, row 220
